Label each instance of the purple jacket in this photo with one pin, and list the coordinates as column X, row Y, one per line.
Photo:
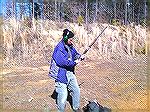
column 60, row 62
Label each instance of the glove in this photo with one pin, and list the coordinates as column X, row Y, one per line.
column 82, row 57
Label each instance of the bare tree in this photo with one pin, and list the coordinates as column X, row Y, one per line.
column 126, row 12
column 86, row 17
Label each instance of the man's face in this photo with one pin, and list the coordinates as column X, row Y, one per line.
column 70, row 41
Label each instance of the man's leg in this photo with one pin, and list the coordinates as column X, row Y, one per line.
column 61, row 89
column 75, row 92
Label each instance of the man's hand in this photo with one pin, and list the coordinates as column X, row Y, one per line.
column 77, row 61
column 82, row 57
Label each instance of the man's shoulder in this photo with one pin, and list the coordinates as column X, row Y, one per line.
column 60, row 46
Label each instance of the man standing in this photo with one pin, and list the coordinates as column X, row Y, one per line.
column 64, row 59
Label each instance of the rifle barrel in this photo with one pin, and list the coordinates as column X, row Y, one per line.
column 94, row 40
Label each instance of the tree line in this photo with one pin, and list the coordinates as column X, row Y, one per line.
column 124, row 11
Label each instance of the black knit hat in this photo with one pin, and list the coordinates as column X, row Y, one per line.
column 67, row 34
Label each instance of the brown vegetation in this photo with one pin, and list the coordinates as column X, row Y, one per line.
column 22, row 43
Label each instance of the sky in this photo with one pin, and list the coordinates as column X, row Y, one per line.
column 0, row 6
column 17, row 8
column 1, row 2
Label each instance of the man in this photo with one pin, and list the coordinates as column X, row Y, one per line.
column 64, row 59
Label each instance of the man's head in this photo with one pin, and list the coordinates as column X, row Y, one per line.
column 68, row 36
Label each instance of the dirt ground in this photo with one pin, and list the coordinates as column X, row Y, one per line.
column 120, row 84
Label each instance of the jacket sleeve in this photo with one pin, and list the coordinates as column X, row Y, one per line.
column 62, row 61
column 77, row 55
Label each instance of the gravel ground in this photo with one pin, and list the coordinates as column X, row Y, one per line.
column 119, row 84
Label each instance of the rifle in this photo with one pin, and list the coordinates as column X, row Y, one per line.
column 94, row 40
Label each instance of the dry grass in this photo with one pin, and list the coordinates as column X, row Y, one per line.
column 23, row 43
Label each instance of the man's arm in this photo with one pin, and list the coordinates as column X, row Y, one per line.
column 62, row 61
